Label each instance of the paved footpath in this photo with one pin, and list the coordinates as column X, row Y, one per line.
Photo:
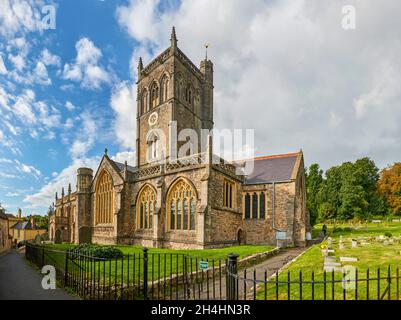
column 271, row 266
column 19, row 281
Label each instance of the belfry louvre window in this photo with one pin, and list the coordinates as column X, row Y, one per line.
column 254, row 204
column 229, row 194
column 145, row 207
column 181, row 204
column 104, row 199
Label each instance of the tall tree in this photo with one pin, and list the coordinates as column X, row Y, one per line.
column 314, row 181
column 389, row 187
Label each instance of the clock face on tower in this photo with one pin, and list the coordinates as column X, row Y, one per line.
column 153, row 118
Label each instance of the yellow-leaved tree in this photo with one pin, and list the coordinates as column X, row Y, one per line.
column 389, row 186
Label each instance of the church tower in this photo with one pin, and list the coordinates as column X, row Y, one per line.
column 173, row 95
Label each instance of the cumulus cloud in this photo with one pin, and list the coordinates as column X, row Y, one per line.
column 85, row 69
column 20, row 16
column 128, row 156
column 3, row 69
column 123, row 102
column 290, row 71
column 69, row 106
column 85, row 138
column 45, row 196
column 49, row 59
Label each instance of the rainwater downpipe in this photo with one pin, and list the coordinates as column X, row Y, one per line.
column 274, row 208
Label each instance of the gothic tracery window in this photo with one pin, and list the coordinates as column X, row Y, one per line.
column 144, row 101
column 154, row 95
column 164, row 89
column 229, row 194
column 181, row 202
column 145, row 208
column 189, row 94
column 153, row 147
column 104, row 199
column 254, row 205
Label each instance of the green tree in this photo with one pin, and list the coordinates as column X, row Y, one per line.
column 314, row 181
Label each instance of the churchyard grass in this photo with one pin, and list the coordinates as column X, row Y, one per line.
column 372, row 254
column 161, row 262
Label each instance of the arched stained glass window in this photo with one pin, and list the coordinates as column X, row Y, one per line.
column 145, row 207
column 182, row 210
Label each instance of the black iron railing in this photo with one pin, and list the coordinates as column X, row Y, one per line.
column 344, row 284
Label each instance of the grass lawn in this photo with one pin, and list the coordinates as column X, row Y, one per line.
column 162, row 263
column 371, row 256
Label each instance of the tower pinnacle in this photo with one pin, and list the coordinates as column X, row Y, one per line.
column 173, row 38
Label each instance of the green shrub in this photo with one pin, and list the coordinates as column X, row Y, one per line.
column 104, row 252
column 388, row 234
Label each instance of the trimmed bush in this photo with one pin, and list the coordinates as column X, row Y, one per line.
column 104, row 252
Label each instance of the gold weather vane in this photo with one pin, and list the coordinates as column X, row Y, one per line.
column 206, row 46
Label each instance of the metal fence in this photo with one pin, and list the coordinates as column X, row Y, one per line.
column 161, row 276
column 345, row 284
column 173, row 276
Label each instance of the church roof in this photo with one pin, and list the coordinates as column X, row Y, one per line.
column 121, row 166
column 275, row 168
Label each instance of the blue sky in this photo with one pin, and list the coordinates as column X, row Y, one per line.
column 284, row 68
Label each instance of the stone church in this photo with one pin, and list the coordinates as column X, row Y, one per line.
column 198, row 200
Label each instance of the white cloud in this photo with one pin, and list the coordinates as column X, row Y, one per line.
column 29, row 169
column 45, row 196
column 3, row 69
column 69, row 106
column 85, row 138
column 18, row 61
column 19, row 16
column 123, row 156
column 49, row 59
column 123, row 103
column 41, row 75
column 290, row 71
column 86, row 69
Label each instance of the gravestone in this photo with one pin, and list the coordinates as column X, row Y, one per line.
column 57, row 236
column 329, row 242
column 38, row 239
column 348, row 259
column 342, row 246
column 85, row 235
column 354, row 243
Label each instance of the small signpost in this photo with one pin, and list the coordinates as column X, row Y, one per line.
column 203, row 265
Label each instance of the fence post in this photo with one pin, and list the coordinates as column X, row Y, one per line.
column 145, row 273
column 66, row 268
column 231, row 290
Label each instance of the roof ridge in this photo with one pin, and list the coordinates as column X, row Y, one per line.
column 283, row 155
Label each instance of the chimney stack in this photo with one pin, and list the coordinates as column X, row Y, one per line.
column 19, row 213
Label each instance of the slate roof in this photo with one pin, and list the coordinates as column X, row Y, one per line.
column 121, row 166
column 270, row 169
column 24, row 225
